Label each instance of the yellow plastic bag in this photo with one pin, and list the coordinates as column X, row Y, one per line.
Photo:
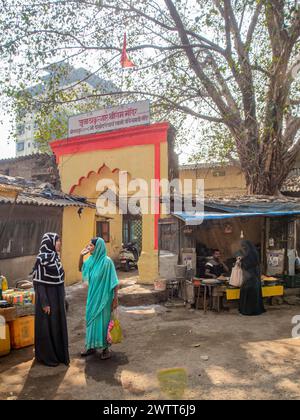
column 116, row 332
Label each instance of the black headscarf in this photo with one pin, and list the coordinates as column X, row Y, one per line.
column 250, row 254
column 94, row 241
column 48, row 268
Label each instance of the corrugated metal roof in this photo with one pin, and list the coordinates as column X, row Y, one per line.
column 41, row 201
column 39, row 194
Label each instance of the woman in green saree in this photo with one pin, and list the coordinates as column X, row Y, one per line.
column 100, row 273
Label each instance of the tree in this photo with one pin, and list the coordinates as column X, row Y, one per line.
column 232, row 64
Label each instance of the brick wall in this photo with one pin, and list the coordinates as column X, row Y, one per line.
column 37, row 167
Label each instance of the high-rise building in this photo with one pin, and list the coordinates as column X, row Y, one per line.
column 76, row 78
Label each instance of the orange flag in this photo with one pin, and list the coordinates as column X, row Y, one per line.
column 125, row 62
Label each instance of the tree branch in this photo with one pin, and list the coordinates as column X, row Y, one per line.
column 253, row 23
column 229, row 117
column 169, row 102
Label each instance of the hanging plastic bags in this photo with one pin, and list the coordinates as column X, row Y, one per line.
column 236, row 278
column 114, row 333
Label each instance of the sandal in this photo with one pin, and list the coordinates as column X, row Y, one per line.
column 106, row 354
column 88, row 352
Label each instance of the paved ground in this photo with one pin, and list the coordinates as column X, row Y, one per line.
column 223, row 356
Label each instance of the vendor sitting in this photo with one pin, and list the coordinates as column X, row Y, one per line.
column 215, row 267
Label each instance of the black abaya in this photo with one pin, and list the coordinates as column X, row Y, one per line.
column 51, row 335
column 251, row 299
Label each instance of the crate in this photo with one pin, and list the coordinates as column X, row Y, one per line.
column 9, row 314
column 25, row 310
column 22, row 332
column 267, row 291
column 4, row 342
column 232, row 294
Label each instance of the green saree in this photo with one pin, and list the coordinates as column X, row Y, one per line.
column 100, row 272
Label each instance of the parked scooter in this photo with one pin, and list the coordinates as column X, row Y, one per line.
column 129, row 256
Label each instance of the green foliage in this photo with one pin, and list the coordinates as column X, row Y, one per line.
column 89, row 34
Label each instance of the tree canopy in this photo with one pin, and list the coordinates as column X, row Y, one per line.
column 230, row 65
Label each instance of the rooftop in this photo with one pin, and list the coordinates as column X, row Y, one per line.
column 207, row 165
column 33, row 193
column 243, row 206
column 26, row 157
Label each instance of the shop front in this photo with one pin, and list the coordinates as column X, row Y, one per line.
column 269, row 226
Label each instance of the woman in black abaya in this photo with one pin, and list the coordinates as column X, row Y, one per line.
column 251, row 300
column 51, row 334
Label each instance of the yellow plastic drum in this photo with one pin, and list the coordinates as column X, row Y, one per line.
column 4, row 339
column 22, row 332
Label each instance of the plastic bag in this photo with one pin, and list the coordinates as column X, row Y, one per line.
column 236, row 278
column 114, row 335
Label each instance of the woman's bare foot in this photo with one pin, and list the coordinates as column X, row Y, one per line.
column 88, row 352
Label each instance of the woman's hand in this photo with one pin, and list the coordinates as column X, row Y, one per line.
column 85, row 251
column 46, row 309
column 115, row 304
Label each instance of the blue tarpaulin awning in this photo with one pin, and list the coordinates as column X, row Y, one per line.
column 216, row 211
column 283, row 207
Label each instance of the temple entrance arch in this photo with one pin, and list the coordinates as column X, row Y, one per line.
column 141, row 152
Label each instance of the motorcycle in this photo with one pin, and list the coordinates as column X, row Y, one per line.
column 129, row 256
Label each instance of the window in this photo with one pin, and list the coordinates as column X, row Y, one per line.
column 20, row 146
column 132, row 229
column 28, row 145
column 219, row 173
column 102, row 230
column 20, row 129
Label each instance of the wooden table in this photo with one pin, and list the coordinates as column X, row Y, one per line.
column 210, row 291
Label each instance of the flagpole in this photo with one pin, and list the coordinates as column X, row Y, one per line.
column 125, row 62
column 122, row 82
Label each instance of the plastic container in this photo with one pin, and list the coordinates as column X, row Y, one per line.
column 160, row 285
column 4, row 342
column 22, row 332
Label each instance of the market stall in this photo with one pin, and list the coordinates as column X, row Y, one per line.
column 268, row 223
column 17, row 311
column 211, row 294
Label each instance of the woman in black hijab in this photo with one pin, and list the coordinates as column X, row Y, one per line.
column 51, row 334
column 251, row 300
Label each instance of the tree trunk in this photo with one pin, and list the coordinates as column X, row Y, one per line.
column 266, row 174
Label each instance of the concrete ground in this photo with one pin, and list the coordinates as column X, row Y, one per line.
column 213, row 356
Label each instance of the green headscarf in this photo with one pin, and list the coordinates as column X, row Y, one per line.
column 100, row 272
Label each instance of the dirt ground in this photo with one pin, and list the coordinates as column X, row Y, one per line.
column 220, row 356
